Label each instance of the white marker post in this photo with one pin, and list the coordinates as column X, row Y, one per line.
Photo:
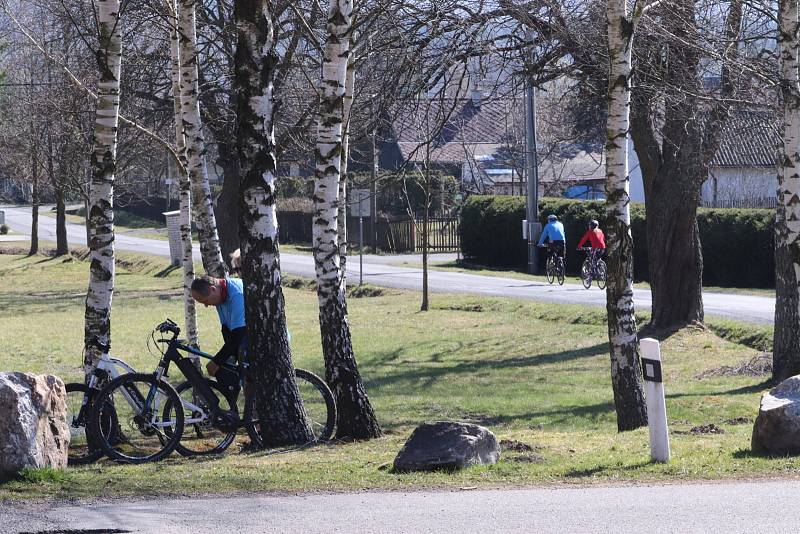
column 656, row 405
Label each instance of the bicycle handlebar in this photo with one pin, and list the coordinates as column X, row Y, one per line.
column 169, row 326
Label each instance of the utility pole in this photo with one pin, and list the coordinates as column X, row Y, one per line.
column 532, row 171
column 373, row 230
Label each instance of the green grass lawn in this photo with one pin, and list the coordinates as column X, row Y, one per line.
column 534, row 373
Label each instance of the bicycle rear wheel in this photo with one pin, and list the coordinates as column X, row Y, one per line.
column 560, row 271
column 83, row 448
column 200, row 437
column 586, row 274
column 602, row 273
column 550, row 270
column 318, row 402
column 141, row 435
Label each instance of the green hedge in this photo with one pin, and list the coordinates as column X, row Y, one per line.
column 737, row 243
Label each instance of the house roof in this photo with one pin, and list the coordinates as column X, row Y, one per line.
column 471, row 129
column 749, row 139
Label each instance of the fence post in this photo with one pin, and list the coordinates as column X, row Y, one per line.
column 656, row 405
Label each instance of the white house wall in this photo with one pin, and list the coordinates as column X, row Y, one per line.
column 740, row 186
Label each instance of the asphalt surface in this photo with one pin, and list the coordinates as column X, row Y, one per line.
column 378, row 271
column 741, row 507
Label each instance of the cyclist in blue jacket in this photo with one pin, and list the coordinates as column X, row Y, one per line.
column 554, row 233
column 227, row 296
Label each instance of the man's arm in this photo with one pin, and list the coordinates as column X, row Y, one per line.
column 544, row 234
column 583, row 239
column 233, row 340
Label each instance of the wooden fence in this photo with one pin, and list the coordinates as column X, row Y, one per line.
column 750, row 202
column 392, row 234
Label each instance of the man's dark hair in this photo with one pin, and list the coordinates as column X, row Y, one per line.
column 203, row 285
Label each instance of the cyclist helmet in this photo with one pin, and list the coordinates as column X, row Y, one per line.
column 593, row 224
column 552, row 217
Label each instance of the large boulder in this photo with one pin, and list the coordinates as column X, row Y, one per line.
column 777, row 428
column 33, row 422
column 448, row 446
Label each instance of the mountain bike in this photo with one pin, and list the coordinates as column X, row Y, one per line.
column 82, row 449
column 593, row 268
column 554, row 268
column 200, row 416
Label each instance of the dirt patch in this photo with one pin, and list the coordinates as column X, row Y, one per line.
column 530, row 458
column 738, row 421
column 360, row 292
column 710, row 428
column 758, row 365
column 516, row 446
column 464, row 307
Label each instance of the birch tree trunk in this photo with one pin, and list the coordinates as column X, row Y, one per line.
column 97, row 332
column 34, row 199
column 624, row 343
column 349, row 87
column 195, row 142
column 187, row 262
column 278, row 401
column 786, row 341
column 355, row 417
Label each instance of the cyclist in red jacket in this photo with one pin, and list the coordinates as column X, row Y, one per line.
column 596, row 238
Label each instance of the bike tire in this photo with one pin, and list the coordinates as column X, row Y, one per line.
column 202, row 439
column 83, row 447
column 602, row 274
column 129, row 419
column 319, row 403
column 560, row 273
column 586, row 274
column 550, row 270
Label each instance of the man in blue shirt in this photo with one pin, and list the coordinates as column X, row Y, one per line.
column 227, row 295
column 554, row 232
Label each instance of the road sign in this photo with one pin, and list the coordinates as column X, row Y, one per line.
column 359, row 202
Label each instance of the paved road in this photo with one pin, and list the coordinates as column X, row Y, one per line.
column 741, row 507
column 378, row 272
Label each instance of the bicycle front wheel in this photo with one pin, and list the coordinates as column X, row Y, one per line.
column 602, row 273
column 200, row 437
column 561, row 271
column 586, row 274
column 144, row 432
column 318, row 403
column 83, row 448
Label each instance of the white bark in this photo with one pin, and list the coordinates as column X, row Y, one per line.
column 187, row 262
column 787, row 227
column 623, row 339
column 97, row 333
column 355, row 416
column 349, row 88
column 329, row 151
column 195, row 142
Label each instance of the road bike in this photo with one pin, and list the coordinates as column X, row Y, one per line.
column 199, row 416
column 593, row 268
column 554, row 268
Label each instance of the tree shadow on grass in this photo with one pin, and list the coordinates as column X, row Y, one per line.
column 166, row 271
column 558, row 416
column 431, row 374
column 590, row 472
column 744, row 390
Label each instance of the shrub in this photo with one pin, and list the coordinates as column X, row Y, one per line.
column 491, row 234
column 3, row 229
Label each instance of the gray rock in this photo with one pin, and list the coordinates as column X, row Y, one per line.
column 777, row 428
column 448, row 446
column 33, row 422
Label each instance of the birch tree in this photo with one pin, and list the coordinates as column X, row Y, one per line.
column 195, row 141
column 622, row 336
column 187, row 261
column 97, row 335
column 278, row 402
column 355, row 416
column 786, row 342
